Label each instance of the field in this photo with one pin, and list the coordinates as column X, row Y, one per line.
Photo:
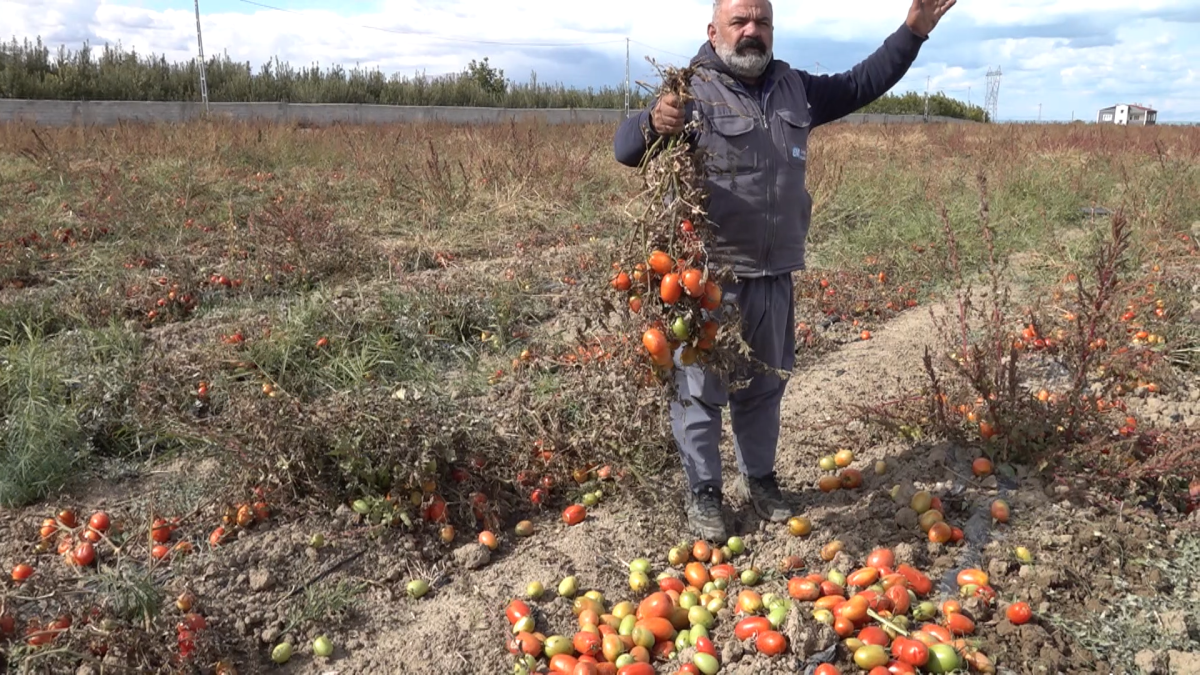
column 299, row 369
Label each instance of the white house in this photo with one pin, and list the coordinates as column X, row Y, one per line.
column 1136, row 115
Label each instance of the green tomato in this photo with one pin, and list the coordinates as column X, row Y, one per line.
column 777, row 615
column 557, row 644
column 568, row 587
column 640, row 565
column 870, row 656
column 683, row 639
column 317, row 541
column 942, row 659
column 590, row 499
column 534, row 590
column 688, row 600
column 418, row 587
column 695, row 633
column 526, row 624
column 623, row 660
column 680, row 329
column 750, row 576
column 836, row 577
column 638, row 581
column 627, row 624
column 707, row 663
column 282, row 652
column 736, row 545
column 322, row 646
column 699, row 616
column 360, row 506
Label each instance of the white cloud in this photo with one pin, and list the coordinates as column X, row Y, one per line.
column 1068, row 55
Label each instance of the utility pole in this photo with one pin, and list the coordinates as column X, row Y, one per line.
column 200, row 44
column 1039, row 113
column 626, row 77
column 927, row 79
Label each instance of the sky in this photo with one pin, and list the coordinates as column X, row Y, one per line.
column 1062, row 59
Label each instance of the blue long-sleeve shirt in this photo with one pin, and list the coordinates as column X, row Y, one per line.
column 831, row 96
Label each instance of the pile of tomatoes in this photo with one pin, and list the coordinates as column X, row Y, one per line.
column 678, row 293
column 883, row 612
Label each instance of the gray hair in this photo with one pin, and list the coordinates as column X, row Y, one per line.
column 717, row 8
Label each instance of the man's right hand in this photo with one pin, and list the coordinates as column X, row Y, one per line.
column 667, row 115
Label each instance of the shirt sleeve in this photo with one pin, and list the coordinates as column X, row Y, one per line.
column 832, row 97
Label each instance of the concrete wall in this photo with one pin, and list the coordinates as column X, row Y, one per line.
column 105, row 113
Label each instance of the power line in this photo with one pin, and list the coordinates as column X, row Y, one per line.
column 448, row 38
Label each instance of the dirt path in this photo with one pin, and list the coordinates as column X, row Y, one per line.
column 458, row 628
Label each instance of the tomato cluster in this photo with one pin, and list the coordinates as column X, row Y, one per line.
column 676, row 291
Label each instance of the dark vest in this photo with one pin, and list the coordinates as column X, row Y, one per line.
column 757, row 156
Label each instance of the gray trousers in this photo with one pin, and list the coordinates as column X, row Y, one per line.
column 767, row 307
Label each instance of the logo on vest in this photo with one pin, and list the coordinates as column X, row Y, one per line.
column 799, row 154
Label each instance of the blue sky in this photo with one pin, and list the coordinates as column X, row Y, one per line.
column 1070, row 56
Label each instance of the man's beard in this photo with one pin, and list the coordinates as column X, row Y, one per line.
column 751, row 62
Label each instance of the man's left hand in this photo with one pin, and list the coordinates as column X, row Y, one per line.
column 924, row 15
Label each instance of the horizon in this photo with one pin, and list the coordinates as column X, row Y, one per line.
column 1068, row 57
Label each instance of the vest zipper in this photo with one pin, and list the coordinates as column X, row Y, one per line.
column 771, row 216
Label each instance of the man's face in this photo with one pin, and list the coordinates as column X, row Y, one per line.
column 742, row 35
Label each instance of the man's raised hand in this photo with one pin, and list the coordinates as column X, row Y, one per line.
column 924, row 15
column 667, row 115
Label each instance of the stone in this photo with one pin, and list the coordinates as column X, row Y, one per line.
column 907, row 519
column 472, row 556
column 261, row 580
column 732, row 651
column 270, row 635
column 1148, row 662
column 1183, row 663
column 1175, row 624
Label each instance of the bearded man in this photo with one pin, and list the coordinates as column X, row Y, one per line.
column 756, row 114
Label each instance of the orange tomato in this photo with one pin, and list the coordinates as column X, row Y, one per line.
column 693, row 282
column 656, row 343
column 655, row 605
column 670, row 289
column 863, row 577
column 696, row 574
column 660, row 262
column 659, row 626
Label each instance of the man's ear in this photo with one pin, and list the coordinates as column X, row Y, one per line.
column 712, row 35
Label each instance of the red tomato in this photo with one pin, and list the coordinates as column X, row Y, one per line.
column 751, row 626
column 705, row 646
column 900, row 668
column 880, row 558
column 99, row 521
column 84, row 555
column 771, row 643
column 918, row 582
column 827, row 669
column 1018, row 613
column 636, row 669
column 574, row 514
column 874, row 635
column 22, row 572
column 585, row 668
column 910, row 652
column 516, row 610
column 587, row 643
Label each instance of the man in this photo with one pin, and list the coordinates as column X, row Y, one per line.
column 756, row 113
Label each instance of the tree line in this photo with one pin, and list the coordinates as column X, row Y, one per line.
column 30, row 70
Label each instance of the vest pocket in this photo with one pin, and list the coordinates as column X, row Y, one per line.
column 795, row 127
column 732, row 146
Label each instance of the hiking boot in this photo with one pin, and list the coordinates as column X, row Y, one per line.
column 764, row 495
column 704, row 514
